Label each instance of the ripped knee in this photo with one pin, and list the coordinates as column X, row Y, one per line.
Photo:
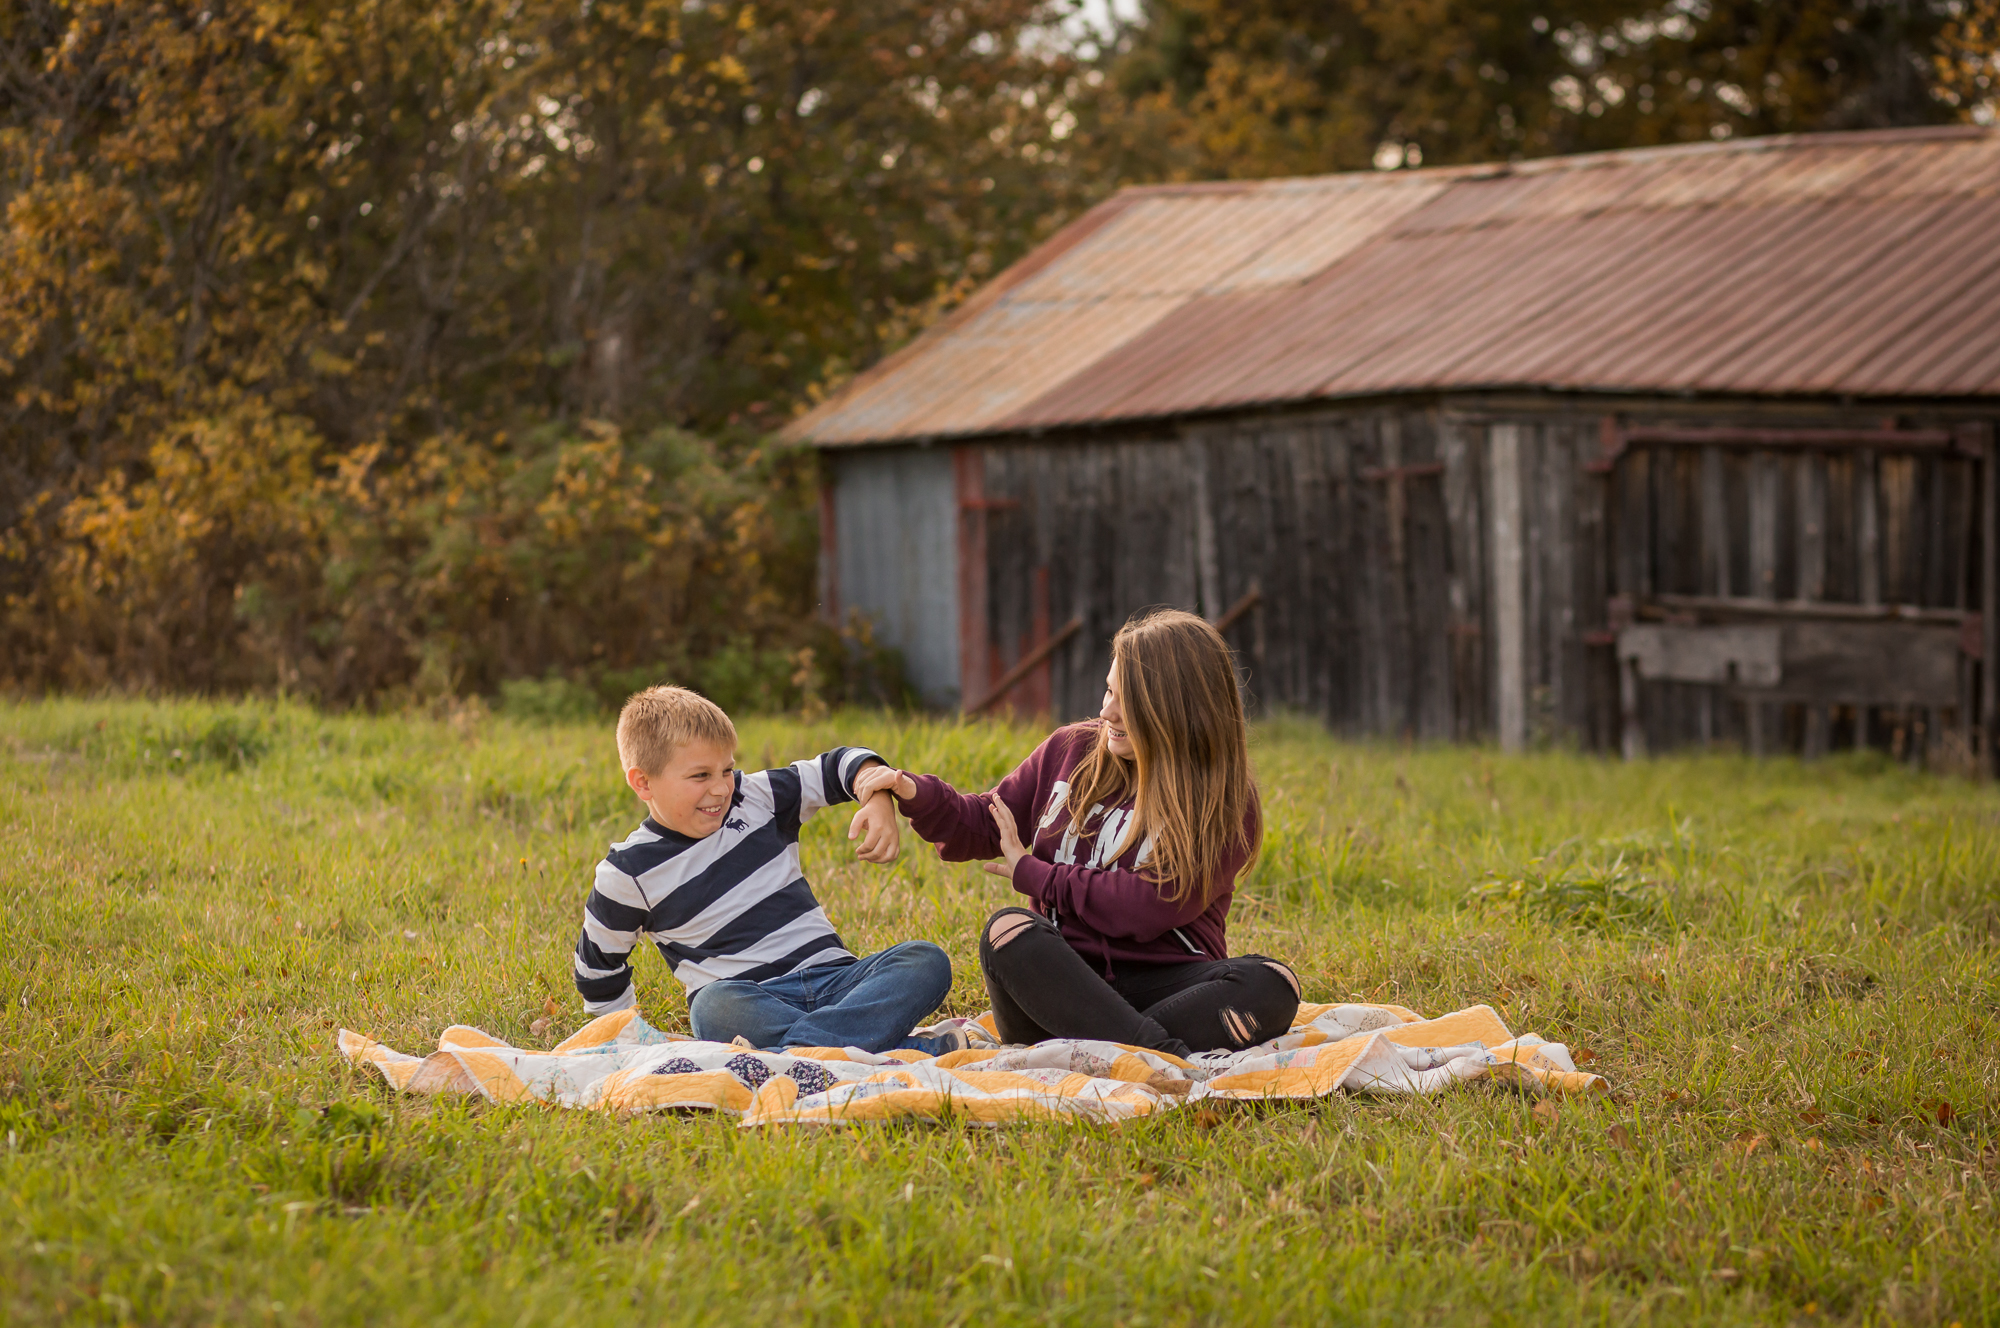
column 1241, row 1029
column 1291, row 978
column 1004, row 927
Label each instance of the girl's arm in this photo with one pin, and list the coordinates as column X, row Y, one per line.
column 1109, row 901
column 961, row 824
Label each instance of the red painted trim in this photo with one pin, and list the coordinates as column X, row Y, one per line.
column 829, row 555
column 968, row 465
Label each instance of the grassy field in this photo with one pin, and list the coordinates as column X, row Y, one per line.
column 1787, row 972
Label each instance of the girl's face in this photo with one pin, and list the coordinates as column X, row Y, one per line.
column 1113, row 714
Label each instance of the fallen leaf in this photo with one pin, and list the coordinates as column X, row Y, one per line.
column 1583, row 1056
column 1205, row 1119
column 1546, row 1112
column 1812, row 1143
column 539, row 1027
column 1620, row 1136
column 1146, row 1179
column 1747, row 1143
column 549, row 1007
column 1943, row 1112
column 1724, row 1274
column 1812, row 1116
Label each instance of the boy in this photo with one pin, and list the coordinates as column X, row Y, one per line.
column 712, row 877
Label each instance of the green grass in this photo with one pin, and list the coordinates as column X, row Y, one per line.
column 1783, row 969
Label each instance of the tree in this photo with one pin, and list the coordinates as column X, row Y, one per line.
column 1203, row 88
column 303, row 298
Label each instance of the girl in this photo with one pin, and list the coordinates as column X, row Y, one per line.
column 1140, row 823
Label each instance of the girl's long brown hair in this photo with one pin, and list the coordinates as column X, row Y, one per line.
column 1184, row 714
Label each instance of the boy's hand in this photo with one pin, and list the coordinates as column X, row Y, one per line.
column 878, row 777
column 875, row 825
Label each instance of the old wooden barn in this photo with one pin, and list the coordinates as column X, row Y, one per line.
column 1636, row 449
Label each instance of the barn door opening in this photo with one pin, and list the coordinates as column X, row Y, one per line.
column 1801, row 590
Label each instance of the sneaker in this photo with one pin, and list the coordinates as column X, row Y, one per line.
column 942, row 1045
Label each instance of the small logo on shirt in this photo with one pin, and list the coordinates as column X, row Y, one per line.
column 737, row 823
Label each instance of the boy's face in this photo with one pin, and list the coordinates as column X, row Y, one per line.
column 692, row 792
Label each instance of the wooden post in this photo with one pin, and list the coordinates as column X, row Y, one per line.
column 1809, row 499
column 1868, row 556
column 1632, row 732
column 1208, row 572
column 1507, row 530
column 1763, row 569
column 1989, row 596
column 1714, row 524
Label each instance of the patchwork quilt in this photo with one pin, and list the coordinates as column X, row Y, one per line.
column 620, row 1063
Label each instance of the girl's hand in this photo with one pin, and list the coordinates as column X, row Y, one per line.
column 878, row 777
column 1011, row 846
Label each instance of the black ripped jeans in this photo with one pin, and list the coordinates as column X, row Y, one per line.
column 1041, row 988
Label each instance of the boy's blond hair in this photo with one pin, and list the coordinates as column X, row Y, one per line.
column 656, row 721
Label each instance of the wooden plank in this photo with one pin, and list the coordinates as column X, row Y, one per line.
column 1763, row 527
column 1868, row 527
column 1635, row 525
column 1809, row 583
column 1347, row 560
column 1745, row 656
column 1763, row 572
column 1427, row 542
column 1896, row 476
column 1562, row 658
column 1989, row 599
column 1884, row 664
column 1632, row 731
column 1208, row 578
column 1460, row 450
column 1373, row 587
column 1714, row 525
column 1810, row 525
column 1935, row 524
column 1534, row 572
column 1395, row 676
column 1842, row 575
column 1739, row 606
column 1910, row 440
column 1506, row 533
column 1963, row 505
column 1314, row 607
column 1594, row 713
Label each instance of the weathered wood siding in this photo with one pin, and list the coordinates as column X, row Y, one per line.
column 1362, row 530
column 1446, row 571
column 1806, row 535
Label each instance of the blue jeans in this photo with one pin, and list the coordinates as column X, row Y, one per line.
column 872, row 1003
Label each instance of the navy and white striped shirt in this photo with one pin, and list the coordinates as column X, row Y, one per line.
column 732, row 905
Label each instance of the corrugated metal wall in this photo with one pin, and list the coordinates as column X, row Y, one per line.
column 895, row 543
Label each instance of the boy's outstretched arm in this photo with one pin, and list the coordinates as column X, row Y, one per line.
column 875, row 825
column 613, row 917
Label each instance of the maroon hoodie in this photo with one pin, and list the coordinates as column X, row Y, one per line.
column 1108, row 911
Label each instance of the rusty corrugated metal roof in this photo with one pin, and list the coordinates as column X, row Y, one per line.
column 1864, row 264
